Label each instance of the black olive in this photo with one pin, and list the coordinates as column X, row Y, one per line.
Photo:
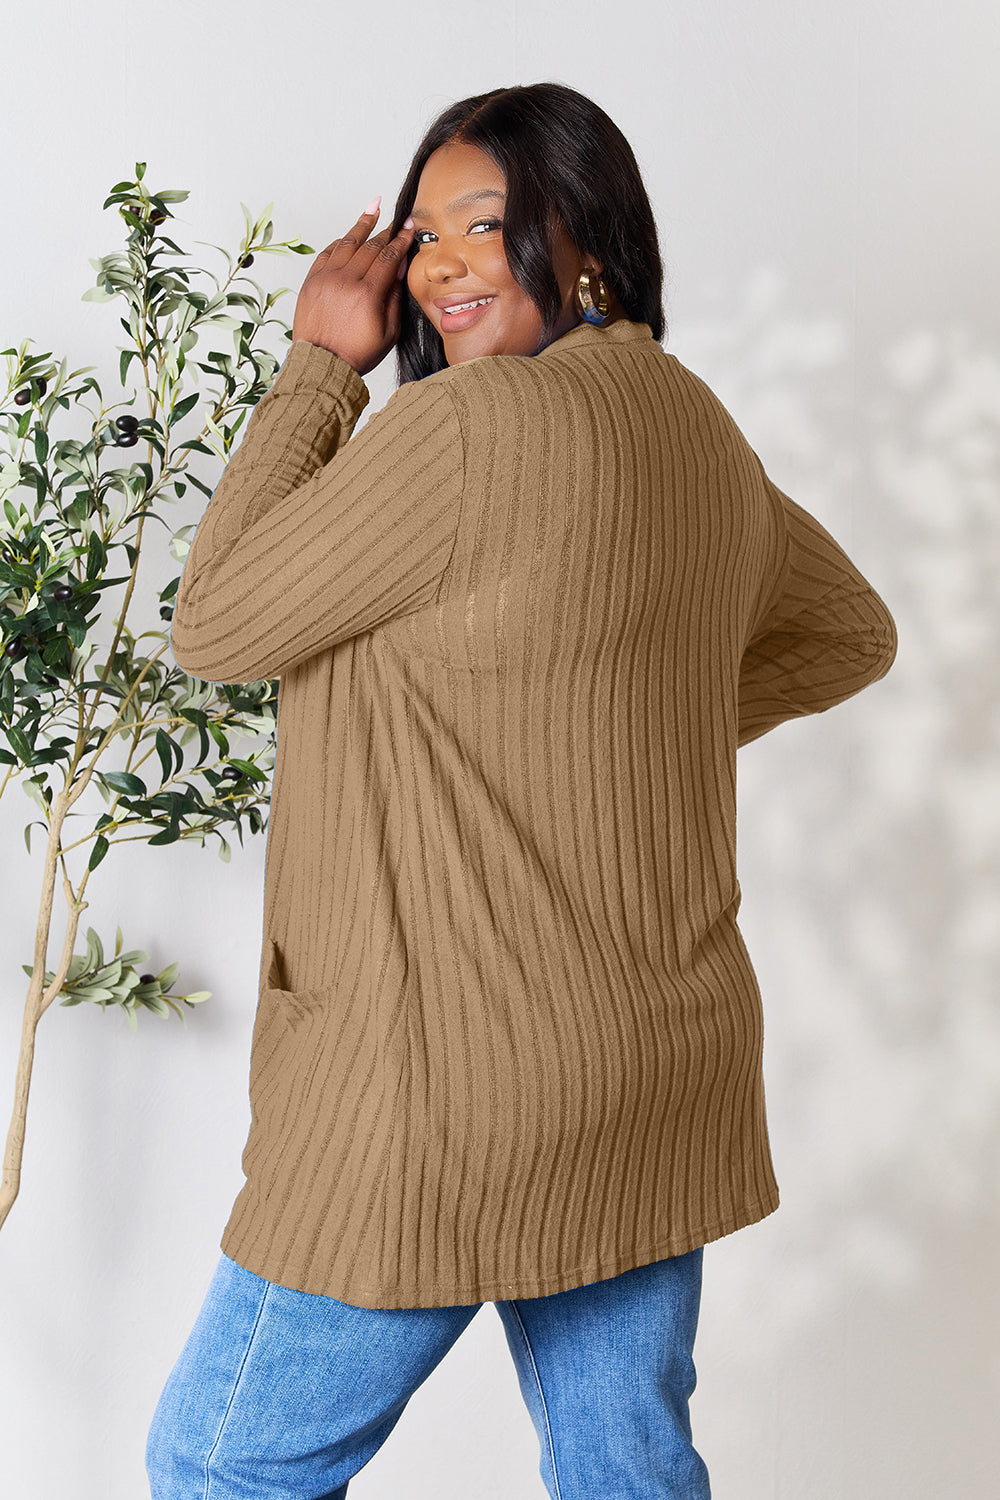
column 64, row 591
column 166, row 613
column 246, row 261
column 147, row 978
column 157, row 217
column 22, row 397
column 232, row 774
column 126, row 423
column 127, row 440
column 13, row 648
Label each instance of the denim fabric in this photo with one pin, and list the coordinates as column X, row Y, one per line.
column 279, row 1393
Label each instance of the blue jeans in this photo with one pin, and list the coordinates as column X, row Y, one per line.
column 280, row 1393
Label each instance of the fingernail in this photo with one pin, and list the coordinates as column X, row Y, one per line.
column 408, row 223
column 373, row 205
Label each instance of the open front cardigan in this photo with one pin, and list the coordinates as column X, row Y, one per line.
column 508, row 1037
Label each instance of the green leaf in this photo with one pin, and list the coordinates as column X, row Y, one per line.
column 100, row 849
column 168, row 836
column 108, row 974
column 157, row 1005
column 27, row 838
column 125, row 782
column 106, row 687
column 183, row 407
column 198, row 717
column 164, row 752
column 19, row 744
column 35, row 789
column 84, row 589
column 97, row 557
column 93, row 992
column 95, row 952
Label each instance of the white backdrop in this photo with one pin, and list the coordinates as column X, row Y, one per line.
column 824, row 178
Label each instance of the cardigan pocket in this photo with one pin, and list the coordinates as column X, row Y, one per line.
column 295, row 1007
column 274, row 971
column 286, row 1066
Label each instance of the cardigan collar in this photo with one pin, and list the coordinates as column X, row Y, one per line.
column 622, row 331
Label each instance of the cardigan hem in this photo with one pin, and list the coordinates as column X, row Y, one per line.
column 465, row 1294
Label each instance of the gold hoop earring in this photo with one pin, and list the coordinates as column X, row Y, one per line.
column 592, row 296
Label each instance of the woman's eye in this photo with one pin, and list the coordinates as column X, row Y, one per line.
column 489, row 223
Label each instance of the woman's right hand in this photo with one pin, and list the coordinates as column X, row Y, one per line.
column 350, row 300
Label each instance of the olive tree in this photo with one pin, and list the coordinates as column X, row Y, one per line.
column 120, row 719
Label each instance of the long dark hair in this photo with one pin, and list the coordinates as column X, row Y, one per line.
column 559, row 153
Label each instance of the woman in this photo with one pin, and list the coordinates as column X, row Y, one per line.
column 508, row 1038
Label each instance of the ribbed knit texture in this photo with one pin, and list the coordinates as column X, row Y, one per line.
column 508, row 1038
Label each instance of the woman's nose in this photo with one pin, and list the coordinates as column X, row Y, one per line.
column 442, row 261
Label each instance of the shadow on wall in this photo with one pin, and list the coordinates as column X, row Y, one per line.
column 871, row 886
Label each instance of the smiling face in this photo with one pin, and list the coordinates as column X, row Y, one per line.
column 458, row 256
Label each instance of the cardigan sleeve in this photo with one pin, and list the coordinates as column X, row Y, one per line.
column 311, row 535
column 822, row 635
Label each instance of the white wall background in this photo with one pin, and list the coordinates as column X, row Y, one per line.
column 824, row 177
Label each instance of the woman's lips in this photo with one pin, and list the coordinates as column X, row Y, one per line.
column 454, row 322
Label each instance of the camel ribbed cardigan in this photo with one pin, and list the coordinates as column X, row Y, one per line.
column 508, row 1038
